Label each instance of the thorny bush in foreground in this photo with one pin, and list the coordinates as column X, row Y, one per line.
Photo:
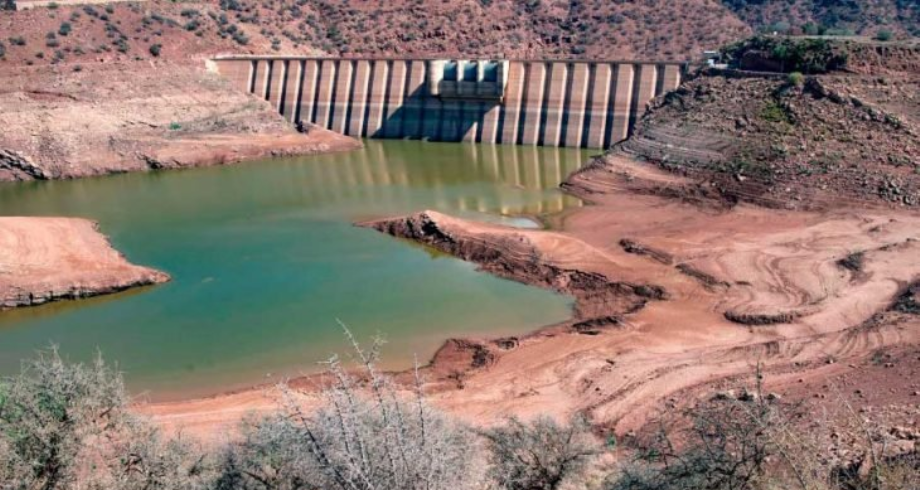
column 367, row 435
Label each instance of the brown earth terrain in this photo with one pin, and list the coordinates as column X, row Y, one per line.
column 136, row 117
column 691, row 273
column 675, row 301
column 683, row 285
column 51, row 259
column 846, row 131
column 651, row 29
column 193, row 30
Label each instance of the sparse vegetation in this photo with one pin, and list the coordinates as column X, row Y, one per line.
column 808, row 56
column 66, row 426
column 774, row 112
column 542, row 454
column 884, row 35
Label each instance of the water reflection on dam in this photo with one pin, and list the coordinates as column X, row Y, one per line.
column 521, row 180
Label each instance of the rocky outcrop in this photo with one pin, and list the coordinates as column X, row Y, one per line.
column 51, row 259
column 14, row 166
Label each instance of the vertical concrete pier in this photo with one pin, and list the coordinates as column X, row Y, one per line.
column 589, row 104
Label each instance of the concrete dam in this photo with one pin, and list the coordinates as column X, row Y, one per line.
column 588, row 104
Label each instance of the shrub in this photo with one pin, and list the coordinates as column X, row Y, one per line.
column 155, row 49
column 2, row 49
column 725, row 447
column 8, row 5
column 541, row 455
column 18, row 41
column 65, row 426
column 240, row 37
column 811, row 29
column 65, row 28
column 52, row 42
column 378, row 437
column 270, row 454
column 809, row 56
column 775, row 112
column 884, row 35
column 796, row 79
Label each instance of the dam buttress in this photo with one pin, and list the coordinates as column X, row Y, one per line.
column 588, row 104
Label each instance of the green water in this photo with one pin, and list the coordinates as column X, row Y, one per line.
column 264, row 259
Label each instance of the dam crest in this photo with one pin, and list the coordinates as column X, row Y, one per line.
column 586, row 104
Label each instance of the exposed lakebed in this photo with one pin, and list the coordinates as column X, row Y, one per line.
column 264, row 259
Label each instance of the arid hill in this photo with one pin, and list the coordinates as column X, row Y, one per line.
column 861, row 17
column 656, row 29
column 127, row 117
column 848, row 128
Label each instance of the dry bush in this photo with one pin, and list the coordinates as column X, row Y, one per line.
column 143, row 460
column 368, row 435
column 270, row 455
column 540, row 455
column 66, row 426
column 725, row 446
column 754, row 442
column 52, row 418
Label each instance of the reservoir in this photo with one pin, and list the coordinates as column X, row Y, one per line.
column 265, row 259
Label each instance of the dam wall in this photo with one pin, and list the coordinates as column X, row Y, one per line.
column 588, row 104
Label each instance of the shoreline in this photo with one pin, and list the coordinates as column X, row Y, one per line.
column 625, row 359
column 46, row 260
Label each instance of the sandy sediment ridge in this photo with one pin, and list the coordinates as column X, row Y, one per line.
column 50, row 259
column 744, row 285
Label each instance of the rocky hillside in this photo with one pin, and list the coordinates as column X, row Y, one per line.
column 842, row 17
column 658, row 29
column 516, row 28
column 847, row 132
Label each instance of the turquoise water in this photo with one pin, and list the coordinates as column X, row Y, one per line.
column 264, row 259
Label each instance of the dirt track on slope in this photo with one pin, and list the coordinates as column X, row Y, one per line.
column 50, row 259
column 733, row 288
